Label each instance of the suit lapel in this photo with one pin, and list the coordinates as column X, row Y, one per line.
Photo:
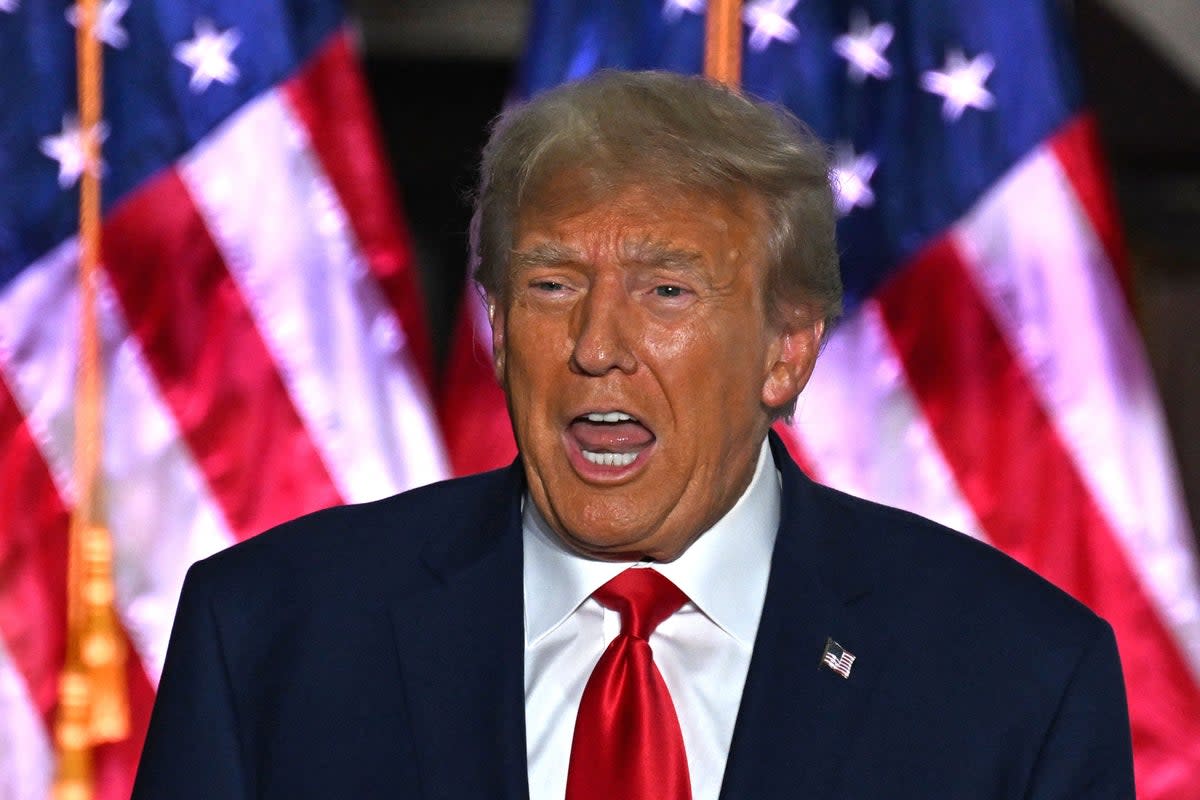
column 798, row 718
column 460, row 645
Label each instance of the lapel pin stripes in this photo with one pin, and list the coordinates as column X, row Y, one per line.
column 837, row 658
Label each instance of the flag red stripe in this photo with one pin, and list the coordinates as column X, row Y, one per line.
column 1013, row 468
column 1076, row 146
column 33, row 559
column 349, row 148
column 471, row 405
column 796, row 449
column 213, row 369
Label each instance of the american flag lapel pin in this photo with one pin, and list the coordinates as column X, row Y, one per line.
column 837, row 658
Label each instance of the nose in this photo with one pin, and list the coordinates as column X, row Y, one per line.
column 602, row 323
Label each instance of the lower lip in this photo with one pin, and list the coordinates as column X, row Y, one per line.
column 603, row 473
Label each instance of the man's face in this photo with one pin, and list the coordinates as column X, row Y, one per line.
column 640, row 364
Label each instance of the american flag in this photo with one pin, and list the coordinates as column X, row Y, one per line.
column 837, row 658
column 264, row 347
column 988, row 373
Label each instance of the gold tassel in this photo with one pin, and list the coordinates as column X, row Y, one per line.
column 92, row 707
column 72, row 739
column 101, row 648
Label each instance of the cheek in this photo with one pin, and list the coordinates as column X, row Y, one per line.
column 670, row 345
column 532, row 342
column 705, row 339
column 534, row 366
column 709, row 360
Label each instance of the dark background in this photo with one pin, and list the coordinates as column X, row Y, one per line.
column 440, row 70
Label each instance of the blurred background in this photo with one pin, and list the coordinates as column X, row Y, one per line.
column 439, row 70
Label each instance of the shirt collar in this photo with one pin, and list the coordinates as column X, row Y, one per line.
column 724, row 572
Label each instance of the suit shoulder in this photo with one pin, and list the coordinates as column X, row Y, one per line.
column 953, row 577
column 356, row 538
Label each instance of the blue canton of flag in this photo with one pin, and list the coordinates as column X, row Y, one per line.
column 883, row 98
column 173, row 71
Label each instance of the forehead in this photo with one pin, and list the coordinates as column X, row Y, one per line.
column 637, row 222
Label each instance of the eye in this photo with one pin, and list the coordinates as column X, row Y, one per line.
column 547, row 286
column 669, row 291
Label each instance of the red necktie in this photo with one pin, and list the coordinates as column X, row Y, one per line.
column 627, row 740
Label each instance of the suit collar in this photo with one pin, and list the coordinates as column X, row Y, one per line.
column 460, row 649
column 797, row 718
column 739, row 544
column 470, row 536
column 815, row 534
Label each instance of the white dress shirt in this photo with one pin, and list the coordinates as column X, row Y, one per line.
column 703, row 650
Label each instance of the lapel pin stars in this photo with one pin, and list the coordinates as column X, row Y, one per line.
column 837, row 658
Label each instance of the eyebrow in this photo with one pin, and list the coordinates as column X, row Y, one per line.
column 546, row 254
column 643, row 252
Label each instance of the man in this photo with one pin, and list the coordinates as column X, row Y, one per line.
column 653, row 601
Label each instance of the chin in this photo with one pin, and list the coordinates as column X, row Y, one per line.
column 601, row 533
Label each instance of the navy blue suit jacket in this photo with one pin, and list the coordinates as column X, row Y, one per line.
column 376, row 651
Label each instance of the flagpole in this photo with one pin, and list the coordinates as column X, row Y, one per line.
column 723, row 41
column 93, row 706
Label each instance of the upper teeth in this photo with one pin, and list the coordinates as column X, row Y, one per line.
column 608, row 416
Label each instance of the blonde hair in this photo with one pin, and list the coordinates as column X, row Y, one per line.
column 665, row 129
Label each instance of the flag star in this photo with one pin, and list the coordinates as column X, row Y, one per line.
column 108, row 22
column 961, row 83
column 768, row 20
column 673, row 10
column 863, row 48
column 75, row 151
column 852, row 175
column 207, row 54
column 10, row 6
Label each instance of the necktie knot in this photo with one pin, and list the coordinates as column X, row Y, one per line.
column 643, row 597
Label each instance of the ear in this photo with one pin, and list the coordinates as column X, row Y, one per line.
column 495, row 312
column 792, row 357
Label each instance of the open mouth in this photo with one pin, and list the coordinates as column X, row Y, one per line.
column 609, row 439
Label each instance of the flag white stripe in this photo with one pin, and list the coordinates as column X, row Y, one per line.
column 1053, row 293
column 337, row 343
column 159, row 510
column 858, row 398
column 38, row 350
column 26, row 760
